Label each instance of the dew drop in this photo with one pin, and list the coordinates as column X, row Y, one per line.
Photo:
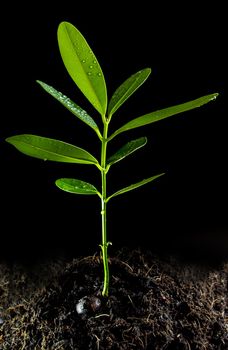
column 91, row 66
column 83, row 61
column 99, row 74
column 89, row 73
column 94, row 61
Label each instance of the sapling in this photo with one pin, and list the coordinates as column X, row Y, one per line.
column 83, row 67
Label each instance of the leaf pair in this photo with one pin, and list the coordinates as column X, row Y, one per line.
column 83, row 67
column 81, row 187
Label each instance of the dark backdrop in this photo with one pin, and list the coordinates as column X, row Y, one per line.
column 184, row 212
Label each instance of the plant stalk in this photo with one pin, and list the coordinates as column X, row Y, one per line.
column 104, row 245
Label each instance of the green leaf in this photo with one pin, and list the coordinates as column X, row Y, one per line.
column 125, row 90
column 164, row 113
column 127, row 149
column 71, row 106
column 50, row 149
column 136, row 185
column 82, row 65
column 76, row 186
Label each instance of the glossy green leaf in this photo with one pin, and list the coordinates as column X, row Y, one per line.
column 125, row 90
column 136, row 185
column 71, row 106
column 76, row 186
column 50, row 149
column 127, row 149
column 82, row 65
column 164, row 113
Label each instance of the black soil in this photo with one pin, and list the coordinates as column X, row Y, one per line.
column 154, row 303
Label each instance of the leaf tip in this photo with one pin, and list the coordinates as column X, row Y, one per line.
column 214, row 96
column 145, row 139
column 57, row 182
column 62, row 24
column 9, row 139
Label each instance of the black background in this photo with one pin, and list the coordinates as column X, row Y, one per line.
column 184, row 212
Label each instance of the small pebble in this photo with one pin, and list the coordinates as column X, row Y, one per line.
column 81, row 306
column 88, row 303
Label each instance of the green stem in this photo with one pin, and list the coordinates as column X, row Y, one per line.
column 104, row 245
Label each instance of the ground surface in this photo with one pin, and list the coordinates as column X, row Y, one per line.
column 154, row 303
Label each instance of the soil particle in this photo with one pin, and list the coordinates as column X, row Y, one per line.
column 154, row 303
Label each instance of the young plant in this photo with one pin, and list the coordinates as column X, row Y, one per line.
column 84, row 69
